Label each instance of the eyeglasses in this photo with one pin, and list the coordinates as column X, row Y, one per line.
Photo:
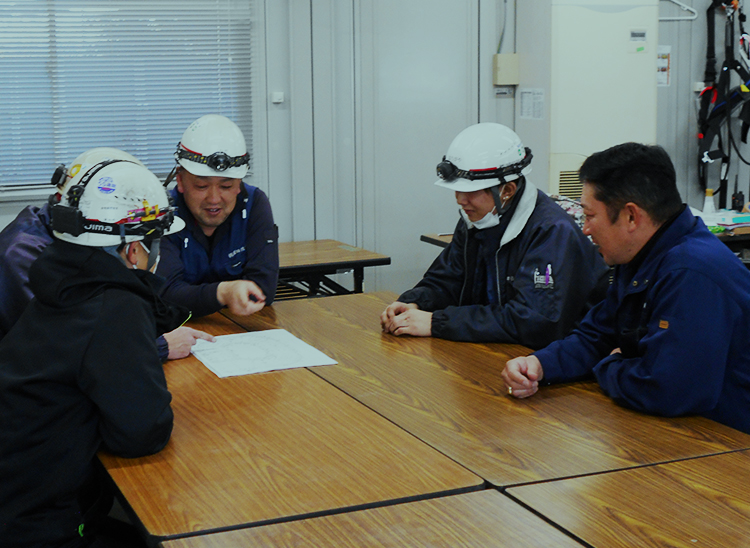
column 218, row 161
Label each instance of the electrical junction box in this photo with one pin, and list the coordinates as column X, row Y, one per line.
column 587, row 81
column 505, row 69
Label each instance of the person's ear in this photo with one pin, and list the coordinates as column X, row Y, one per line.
column 509, row 190
column 633, row 215
column 132, row 253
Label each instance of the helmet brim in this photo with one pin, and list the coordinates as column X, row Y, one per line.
column 467, row 185
column 177, row 225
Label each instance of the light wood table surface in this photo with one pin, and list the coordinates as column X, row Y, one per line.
column 451, row 396
column 273, row 446
column 692, row 503
column 485, row 519
column 311, row 262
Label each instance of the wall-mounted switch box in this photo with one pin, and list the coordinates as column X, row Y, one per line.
column 505, row 69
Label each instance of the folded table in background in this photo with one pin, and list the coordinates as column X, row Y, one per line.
column 305, row 267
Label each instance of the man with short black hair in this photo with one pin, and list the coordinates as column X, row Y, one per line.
column 671, row 337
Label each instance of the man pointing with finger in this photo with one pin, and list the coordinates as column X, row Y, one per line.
column 227, row 254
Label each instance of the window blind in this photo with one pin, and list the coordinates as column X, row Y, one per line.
column 129, row 74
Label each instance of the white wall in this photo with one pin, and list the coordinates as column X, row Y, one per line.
column 391, row 84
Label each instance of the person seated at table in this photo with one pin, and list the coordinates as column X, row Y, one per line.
column 80, row 371
column 518, row 270
column 228, row 253
column 671, row 336
column 22, row 241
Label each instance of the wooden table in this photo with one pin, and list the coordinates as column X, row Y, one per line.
column 310, row 263
column 451, row 396
column 483, row 520
column 696, row 502
column 268, row 447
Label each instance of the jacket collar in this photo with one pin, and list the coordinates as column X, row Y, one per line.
column 645, row 263
column 521, row 216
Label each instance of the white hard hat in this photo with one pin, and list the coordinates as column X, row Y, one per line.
column 64, row 175
column 482, row 156
column 213, row 145
column 114, row 202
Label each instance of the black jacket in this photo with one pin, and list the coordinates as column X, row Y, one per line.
column 79, row 372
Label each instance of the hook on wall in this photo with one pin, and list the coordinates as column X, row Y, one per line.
column 684, row 8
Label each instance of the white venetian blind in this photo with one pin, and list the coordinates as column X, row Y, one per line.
column 130, row 74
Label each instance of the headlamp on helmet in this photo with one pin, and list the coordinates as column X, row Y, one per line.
column 449, row 172
column 218, row 161
column 213, row 145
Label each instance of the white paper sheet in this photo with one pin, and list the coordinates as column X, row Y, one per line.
column 256, row 352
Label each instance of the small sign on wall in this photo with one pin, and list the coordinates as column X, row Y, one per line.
column 531, row 103
column 663, row 68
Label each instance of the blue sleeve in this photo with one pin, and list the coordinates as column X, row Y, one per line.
column 162, row 346
column 262, row 265
column 575, row 356
column 200, row 299
column 683, row 354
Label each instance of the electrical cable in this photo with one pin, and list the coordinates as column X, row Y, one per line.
column 502, row 30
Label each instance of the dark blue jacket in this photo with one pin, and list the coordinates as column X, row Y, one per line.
column 21, row 243
column 680, row 313
column 543, row 275
column 244, row 247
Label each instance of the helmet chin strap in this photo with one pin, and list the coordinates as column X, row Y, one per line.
column 502, row 205
column 153, row 253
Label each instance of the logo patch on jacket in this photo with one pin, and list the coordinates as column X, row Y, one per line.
column 544, row 280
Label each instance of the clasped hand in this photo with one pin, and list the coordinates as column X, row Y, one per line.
column 406, row 319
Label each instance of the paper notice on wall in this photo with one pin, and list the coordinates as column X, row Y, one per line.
column 531, row 103
column 663, row 68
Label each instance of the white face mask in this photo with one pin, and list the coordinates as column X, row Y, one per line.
column 488, row 221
